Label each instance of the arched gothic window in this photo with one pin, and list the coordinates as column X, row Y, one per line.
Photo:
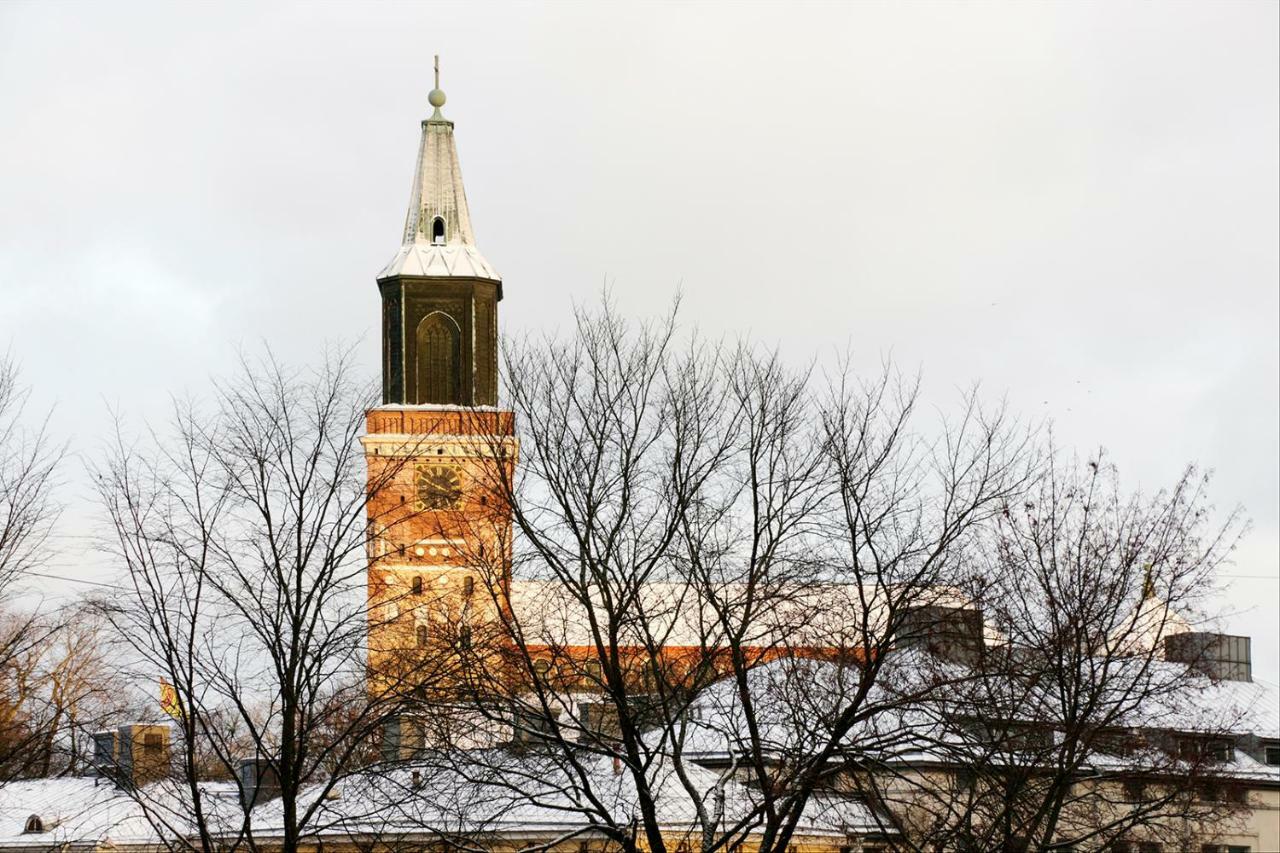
column 437, row 231
column 439, row 359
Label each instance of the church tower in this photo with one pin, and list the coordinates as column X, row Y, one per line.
column 440, row 452
column 439, row 295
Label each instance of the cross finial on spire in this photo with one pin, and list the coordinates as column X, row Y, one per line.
column 436, row 98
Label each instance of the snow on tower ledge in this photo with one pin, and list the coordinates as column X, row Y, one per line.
column 438, row 241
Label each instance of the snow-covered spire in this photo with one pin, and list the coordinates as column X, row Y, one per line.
column 438, row 240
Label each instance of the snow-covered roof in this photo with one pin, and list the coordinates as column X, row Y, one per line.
column 531, row 791
column 796, row 700
column 422, row 258
column 494, row 791
column 490, row 791
column 68, row 811
column 1243, row 707
column 91, row 811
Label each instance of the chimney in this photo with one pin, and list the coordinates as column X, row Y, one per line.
column 1222, row 657
column 133, row 755
column 259, row 782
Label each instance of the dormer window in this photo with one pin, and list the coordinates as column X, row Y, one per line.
column 437, row 232
column 34, row 824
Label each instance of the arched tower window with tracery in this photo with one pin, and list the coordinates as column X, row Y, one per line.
column 439, row 359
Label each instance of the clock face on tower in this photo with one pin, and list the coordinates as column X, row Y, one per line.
column 437, row 486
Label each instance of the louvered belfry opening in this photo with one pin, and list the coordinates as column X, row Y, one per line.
column 439, row 360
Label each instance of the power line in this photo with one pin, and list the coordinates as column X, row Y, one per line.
column 73, row 580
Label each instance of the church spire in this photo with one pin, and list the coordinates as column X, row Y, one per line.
column 438, row 240
column 439, row 295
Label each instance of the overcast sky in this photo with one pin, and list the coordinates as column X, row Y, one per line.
column 1074, row 203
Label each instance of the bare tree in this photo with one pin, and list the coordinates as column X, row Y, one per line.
column 907, row 504
column 23, row 638
column 28, row 462
column 737, row 601
column 1069, row 726
column 242, row 532
column 685, row 513
column 28, row 465
column 72, row 691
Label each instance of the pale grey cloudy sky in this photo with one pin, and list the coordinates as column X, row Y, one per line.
column 1074, row 203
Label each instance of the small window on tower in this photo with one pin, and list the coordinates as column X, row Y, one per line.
column 437, row 231
column 421, row 636
column 416, row 585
